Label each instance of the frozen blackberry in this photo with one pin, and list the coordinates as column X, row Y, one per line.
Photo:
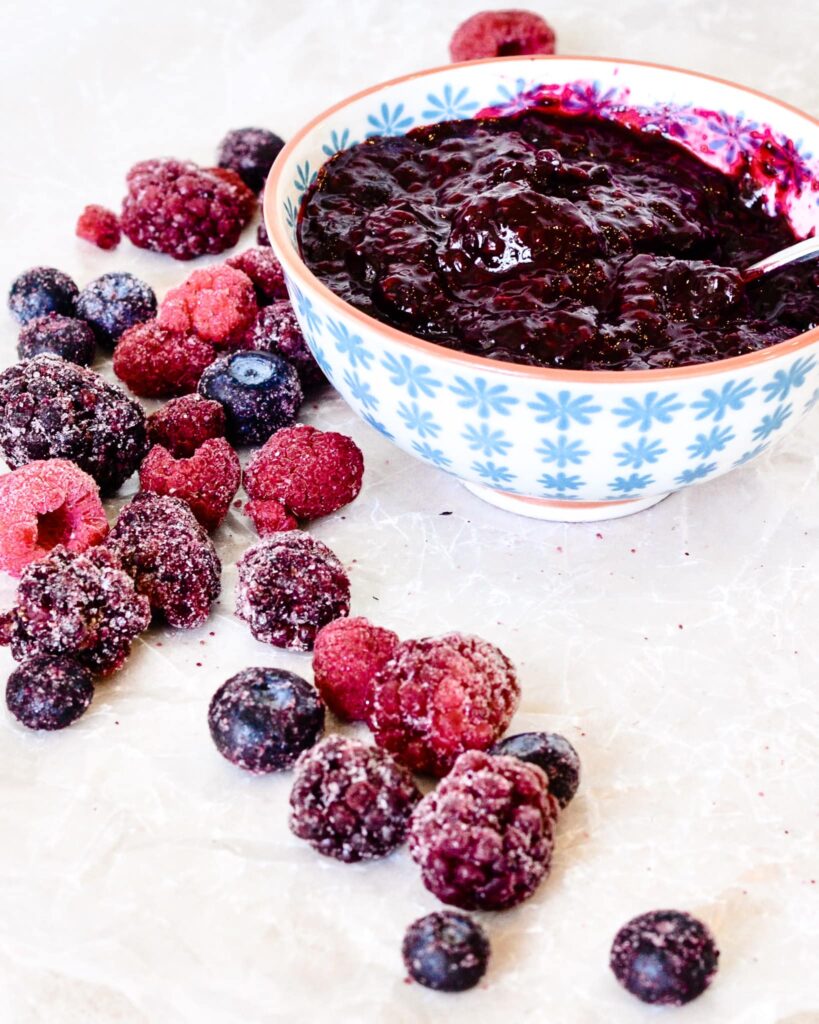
column 39, row 291
column 551, row 752
column 157, row 363
column 51, row 409
column 262, row 718
column 264, row 270
column 184, row 424
column 260, row 393
column 277, row 330
column 82, row 605
column 113, row 303
column 446, row 951
column 207, row 481
column 346, row 656
column 290, row 585
column 483, row 839
column 57, row 335
column 351, row 801
column 250, row 152
column 47, row 692
column 99, row 226
column 169, row 556
column 664, row 957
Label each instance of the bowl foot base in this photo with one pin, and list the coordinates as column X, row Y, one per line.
column 562, row 511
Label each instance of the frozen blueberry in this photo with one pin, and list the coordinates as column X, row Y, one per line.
column 262, row 718
column 446, row 951
column 113, row 303
column 260, row 393
column 47, row 692
column 250, row 152
column 60, row 336
column 665, row 957
column 39, row 291
column 551, row 752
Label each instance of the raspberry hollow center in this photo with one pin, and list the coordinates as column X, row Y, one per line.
column 55, row 527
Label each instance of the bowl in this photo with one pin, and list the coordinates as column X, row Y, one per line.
column 549, row 443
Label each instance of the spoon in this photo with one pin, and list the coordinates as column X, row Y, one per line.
column 797, row 253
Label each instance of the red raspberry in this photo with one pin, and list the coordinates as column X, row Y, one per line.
column 483, row 839
column 437, row 697
column 270, row 517
column 156, row 362
column 217, row 303
column 99, row 226
column 43, row 504
column 501, row 34
column 207, row 481
column 346, row 656
column 277, row 330
column 264, row 270
column 311, row 472
column 183, row 424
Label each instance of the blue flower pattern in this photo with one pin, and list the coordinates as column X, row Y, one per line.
column 430, row 454
column 706, row 444
column 450, row 105
column 564, row 409
column 562, row 452
column 784, row 381
column 732, row 395
column 418, row 420
column 484, row 398
column 338, row 142
column 415, row 377
column 772, row 422
column 698, row 472
column 389, row 121
column 351, row 345
column 492, row 473
column 653, row 408
column 642, row 452
column 486, row 441
column 304, row 177
column 360, row 390
column 629, row 484
column 561, row 481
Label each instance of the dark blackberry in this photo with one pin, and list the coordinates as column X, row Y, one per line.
column 551, row 752
column 47, row 692
column 58, row 335
column 113, row 303
column 277, row 330
column 39, row 291
column 250, row 152
column 446, row 951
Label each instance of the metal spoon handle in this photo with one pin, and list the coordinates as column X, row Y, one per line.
column 797, row 253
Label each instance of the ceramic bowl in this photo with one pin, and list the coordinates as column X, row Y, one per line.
column 561, row 444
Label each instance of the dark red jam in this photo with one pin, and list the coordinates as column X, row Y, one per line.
column 553, row 241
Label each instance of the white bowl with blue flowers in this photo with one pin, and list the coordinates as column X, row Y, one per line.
column 560, row 444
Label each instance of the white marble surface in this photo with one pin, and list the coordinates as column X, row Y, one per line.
column 143, row 879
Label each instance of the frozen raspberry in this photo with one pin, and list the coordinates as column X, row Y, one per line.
column 51, row 409
column 250, row 152
column 501, row 34
column 99, row 226
column 57, row 335
column 156, row 362
column 483, row 839
column 264, row 270
column 83, row 605
column 664, row 957
column 311, row 472
column 43, row 504
column 184, row 424
column 346, row 656
column 277, row 330
column 175, row 207
column 39, row 291
column 216, row 303
column 260, row 393
column 551, row 752
column 169, row 556
column 207, row 481
column 263, row 718
column 290, row 585
column 270, row 517
column 49, row 692
column 351, row 801
column 437, row 697
column 113, row 303
column 446, row 951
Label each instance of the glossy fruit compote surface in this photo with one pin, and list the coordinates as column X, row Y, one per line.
column 553, row 241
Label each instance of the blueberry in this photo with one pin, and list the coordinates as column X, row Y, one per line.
column 446, row 951
column 113, row 303
column 551, row 752
column 260, row 393
column 39, row 291
column 47, row 692
column 250, row 152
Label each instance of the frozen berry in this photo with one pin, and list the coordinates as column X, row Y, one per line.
column 346, row 656
column 277, row 330
column 157, row 363
column 39, row 291
column 351, row 801
column 664, row 957
column 483, row 838
column 48, row 692
column 51, row 409
column 446, row 951
column 260, row 393
column 184, row 424
column 43, row 504
column 290, row 585
column 175, row 207
column 99, row 226
column 551, row 752
column 58, row 335
column 250, row 152
column 270, row 517
column 437, row 697
column 501, row 34
column 207, row 481
column 264, row 270
column 216, row 303
column 261, row 234
column 83, row 605
column 169, row 556
column 113, row 303
column 263, row 718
